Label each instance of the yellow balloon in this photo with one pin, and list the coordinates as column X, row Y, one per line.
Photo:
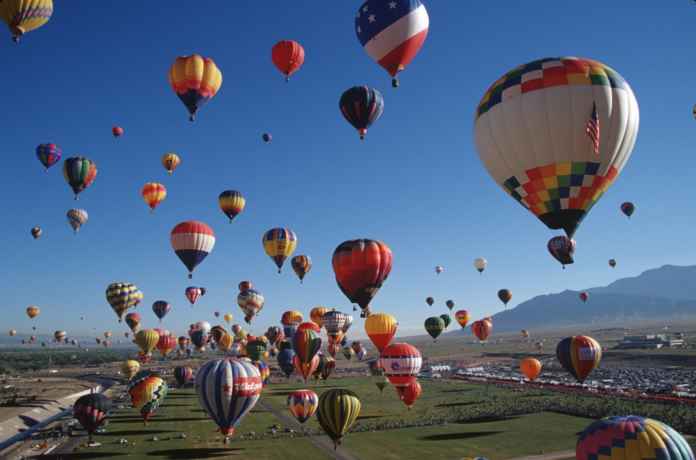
column 279, row 244
column 170, row 161
column 225, row 342
column 130, row 368
column 147, row 340
column 195, row 80
column 380, row 328
column 22, row 16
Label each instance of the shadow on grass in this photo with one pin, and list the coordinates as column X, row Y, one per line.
column 168, row 404
column 76, row 455
column 134, row 432
column 464, row 390
column 459, row 404
column 196, row 453
column 183, row 419
column 488, row 419
column 458, row 436
column 367, row 417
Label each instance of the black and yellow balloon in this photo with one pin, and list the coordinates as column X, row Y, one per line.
column 22, row 16
column 338, row 410
column 195, row 80
column 231, row 203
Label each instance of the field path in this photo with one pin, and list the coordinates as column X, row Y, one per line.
column 320, row 442
column 550, row 456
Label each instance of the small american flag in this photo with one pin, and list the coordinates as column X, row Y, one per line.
column 592, row 129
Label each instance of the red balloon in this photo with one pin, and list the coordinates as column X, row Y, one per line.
column 401, row 363
column 117, row 131
column 309, row 325
column 584, row 296
column 410, row 393
column 482, row 329
column 288, row 56
column 305, row 369
column 361, row 266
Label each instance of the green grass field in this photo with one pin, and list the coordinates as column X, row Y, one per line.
column 385, row 428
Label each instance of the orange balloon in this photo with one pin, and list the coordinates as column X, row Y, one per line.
column 153, row 193
column 531, row 368
column 462, row 317
column 317, row 313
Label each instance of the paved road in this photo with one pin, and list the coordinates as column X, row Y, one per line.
column 320, row 442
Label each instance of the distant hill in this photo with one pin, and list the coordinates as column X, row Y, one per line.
column 667, row 292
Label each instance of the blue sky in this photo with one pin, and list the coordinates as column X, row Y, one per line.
column 415, row 183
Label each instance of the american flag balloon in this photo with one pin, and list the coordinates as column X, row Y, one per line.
column 392, row 32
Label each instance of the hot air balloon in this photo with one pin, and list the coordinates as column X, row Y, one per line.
column 303, row 404
column 244, row 285
column 482, row 329
column 430, row 301
column 579, row 355
column 195, row 80
column 361, row 106
column 480, row 264
column 91, row 411
column 434, row 326
column 228, row 317
column 380, row 328
column 225, row 342
column 183, row 342
column 183, row 375
column 439, row 269
column 192, row 241
column 36, row 232
column 199, row 338
column 505, row 296
column 279, row 244
column 286, row 361
column 612, row 263
column 537, row 130
column 251, row 302
column 306, row 344
column 584, row 296
column 462, row 317
column 13, row 332
column 133, row 321
column 129, row 368
column 266, row 137
column 33, row 311
column 147, row 390
column 161, row 308
column 361, row 267
column 48, row 154
column 108, row 334
column 333, row 322
column 79, row 173
column 227, row 390
column 401, row 363
column 288, row 56
column 153, row 193
column 147, row 340
column 450, row 304
column 290, row 320
column 255, row 349
column 77, row 218
column 231, row 203
column 193, row 293
column 166, row 344
column 562, row 249
column 216, row 332
column 170, row 161
column 531, row 368
column 264, row 371
column 122, row 296
column 446, row 320
column 326, row 366
column 392, row 33
column 22, row 16
column 348, row 352
column 410, row 393
column 628, row 208
column 59, row 336
column 117, row 131
column 631, row 438
column 274, row 334
column 337, row 412
column 316, row 314
column 301, row 265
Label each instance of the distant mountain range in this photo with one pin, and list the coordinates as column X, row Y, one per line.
column 668, row 293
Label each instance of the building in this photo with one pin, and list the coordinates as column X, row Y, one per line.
column 651, row 341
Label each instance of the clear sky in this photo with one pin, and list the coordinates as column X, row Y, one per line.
column 416, row 182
